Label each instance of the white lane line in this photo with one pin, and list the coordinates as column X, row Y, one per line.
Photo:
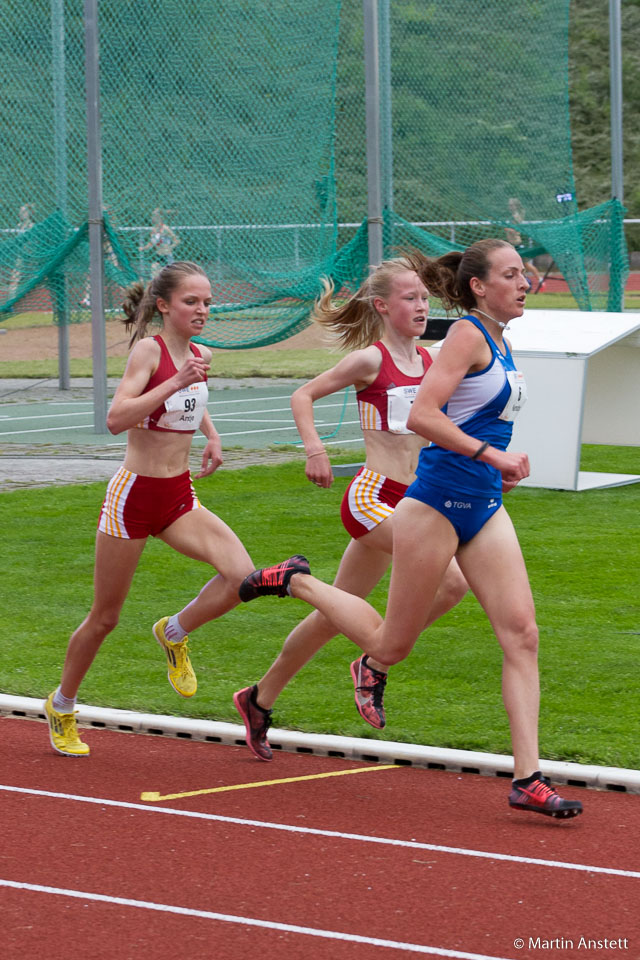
column 362, row 838
column 258, row 411
column 53, row 416
column 276, row 428
column 19, row 433
column 254, row 399
column 249, row 921
column 272, row 428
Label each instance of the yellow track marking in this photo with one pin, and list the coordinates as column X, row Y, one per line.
column 154, row 797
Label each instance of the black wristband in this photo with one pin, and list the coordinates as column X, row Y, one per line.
column 481, row 449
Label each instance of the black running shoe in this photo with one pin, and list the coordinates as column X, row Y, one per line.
column 272, row 581
column 369, row 689
column 540, row 797
column 257, row 721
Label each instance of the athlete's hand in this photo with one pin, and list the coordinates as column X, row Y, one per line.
column 508, row 485
column 318, row 470
column 512, row 466
column 211, row 458
column 192, row 370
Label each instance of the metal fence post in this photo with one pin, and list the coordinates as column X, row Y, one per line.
column 96, row 255
column 372, row 95
column 616, row 286
column 59, row 282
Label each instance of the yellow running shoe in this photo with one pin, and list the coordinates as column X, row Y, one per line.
column 180, row 673
column 63, row 732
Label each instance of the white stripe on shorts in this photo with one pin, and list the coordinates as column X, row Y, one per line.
column 112, row 516
column 364, row 504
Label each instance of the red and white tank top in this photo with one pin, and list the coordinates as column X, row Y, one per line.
column 183, row 411
column 385, row 403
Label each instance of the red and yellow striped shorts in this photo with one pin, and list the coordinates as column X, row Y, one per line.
column 136, row 507
column 368, row 500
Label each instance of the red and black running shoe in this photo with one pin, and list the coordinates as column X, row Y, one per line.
column 272, row 581
column 539, row 796
column 369, row 689
column 257, row 721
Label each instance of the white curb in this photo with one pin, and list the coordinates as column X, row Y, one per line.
column 350, row 748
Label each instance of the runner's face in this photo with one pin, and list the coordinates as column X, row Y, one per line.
column 187, row 310
column 503, row 292
column 407, row 306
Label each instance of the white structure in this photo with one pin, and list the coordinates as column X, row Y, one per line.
column 583, row 382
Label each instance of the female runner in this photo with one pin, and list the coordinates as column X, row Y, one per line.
column 380, row 324
column 160, row 402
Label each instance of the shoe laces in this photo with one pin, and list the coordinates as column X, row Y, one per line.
column 68, row 723
column 543, row 791
column 375, row 683
column 264, row 722
column 182, row 656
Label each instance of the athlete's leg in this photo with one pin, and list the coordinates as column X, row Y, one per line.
column 453, row 587
column 424, row 543
column 203, row 536
column 363, row 565
column 494, row 567
column 115, row 564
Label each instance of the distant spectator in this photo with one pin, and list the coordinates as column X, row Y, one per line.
column 25, row 223
column 163, row 242
column 515, row 237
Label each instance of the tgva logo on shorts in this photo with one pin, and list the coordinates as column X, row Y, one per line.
column 457, row 505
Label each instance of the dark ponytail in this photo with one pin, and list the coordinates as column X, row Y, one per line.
column 140, row 303
column 448, row 277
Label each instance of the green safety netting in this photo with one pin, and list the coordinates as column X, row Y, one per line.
column 234, row 134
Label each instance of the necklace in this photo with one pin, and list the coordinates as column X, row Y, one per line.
column 503, row 326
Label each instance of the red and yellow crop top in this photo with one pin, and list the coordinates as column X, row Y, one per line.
column 183, row 411
column 385, row 403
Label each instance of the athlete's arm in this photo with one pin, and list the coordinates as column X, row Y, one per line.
column 357, row 369
column 464, row 349
column 212, row 453
column 130, row 405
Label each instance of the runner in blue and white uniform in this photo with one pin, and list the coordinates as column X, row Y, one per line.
column 484, row 405
column 465, row 406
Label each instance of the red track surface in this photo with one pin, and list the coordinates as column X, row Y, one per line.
column 452, row 901
column 557, row 284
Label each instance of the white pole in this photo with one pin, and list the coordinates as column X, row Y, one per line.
column 60, row 163
column 615, row 70
column 372, row 92
column 386, row 111
column 96, row 257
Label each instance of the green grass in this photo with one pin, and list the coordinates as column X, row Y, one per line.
column 296, row 364
column 581, row 550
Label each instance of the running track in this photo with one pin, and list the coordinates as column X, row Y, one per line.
column 372, row 862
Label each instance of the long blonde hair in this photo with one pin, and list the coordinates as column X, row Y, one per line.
column 356, row 323
column 140, row 303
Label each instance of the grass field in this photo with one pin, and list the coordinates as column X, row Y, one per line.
column 300, row 364
column 582, row 553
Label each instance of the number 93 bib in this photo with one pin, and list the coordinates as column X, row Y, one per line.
column 185, row 408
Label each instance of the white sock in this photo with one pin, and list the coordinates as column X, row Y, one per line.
column 63, row 704
column 173, row 631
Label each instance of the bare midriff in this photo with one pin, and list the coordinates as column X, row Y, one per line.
column 394, row 455
column 155, row 453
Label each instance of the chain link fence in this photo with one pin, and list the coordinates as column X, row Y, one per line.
column 234, row 134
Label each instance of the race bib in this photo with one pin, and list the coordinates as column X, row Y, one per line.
column 185, row 409
column 518, row 395
column 399, row 403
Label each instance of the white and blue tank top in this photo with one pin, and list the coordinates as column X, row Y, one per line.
column 484, row 405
